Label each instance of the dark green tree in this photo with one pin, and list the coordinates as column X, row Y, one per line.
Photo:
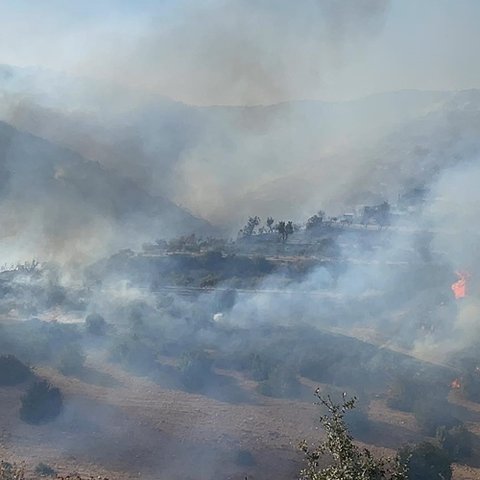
column 426, row 462
column 42, row 403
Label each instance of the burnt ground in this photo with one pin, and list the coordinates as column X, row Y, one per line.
column 124, row 426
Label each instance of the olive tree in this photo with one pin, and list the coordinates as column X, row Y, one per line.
column 348, row 461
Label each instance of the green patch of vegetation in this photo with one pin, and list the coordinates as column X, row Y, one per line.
column 45, row 470
column 41, row 403
column 347, row 461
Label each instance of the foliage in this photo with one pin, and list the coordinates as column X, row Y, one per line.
column 195, row 370
column 71, row 360
column 284, row 229
column 259, row 367
column 45, row 470
column 431, row 414
column 426, row 461
column 348, row 462
column 456, row 441
column 281, row 382
column 42, row 403
column 249, row 229
column 315, row 221
column 95, row 324
column 12, row 370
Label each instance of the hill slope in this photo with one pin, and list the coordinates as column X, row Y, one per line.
column 57, row 203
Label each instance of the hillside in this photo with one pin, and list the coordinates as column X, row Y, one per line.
column 225, row 163
column 57, row 202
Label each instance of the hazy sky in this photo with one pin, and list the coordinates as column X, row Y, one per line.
column 250, row 51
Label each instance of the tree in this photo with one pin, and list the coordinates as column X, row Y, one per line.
column 426, row 461
column 196, row 370
column 456, row 441
column 288, row 228
column 280, row 382
column 284, row 229
column 270, row 224
column 281, row 229
column 315, row 221
column 349, row 462
column 42, row 403
column 249, row 229
column 431, row 414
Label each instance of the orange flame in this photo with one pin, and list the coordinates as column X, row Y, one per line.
column 459, row 288
column 456, row 384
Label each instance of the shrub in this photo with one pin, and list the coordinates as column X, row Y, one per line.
column 425, row 461
column 348, row 461
column 45, row 470
column 282, row 383
column 12, row 370
column 431, row 415
column 259, row 367
column 71, row 360
column 456, row 441
column 41, row 403
column 195, row 370
column 95, row 324
column 402, row 394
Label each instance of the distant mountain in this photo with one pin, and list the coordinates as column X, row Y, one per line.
column 55, row 203
column 225, row 163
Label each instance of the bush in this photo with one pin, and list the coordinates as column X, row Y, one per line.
column 281, row 383
column 45, row 470
column 41, row 403
column 259, row 367
column 431, row 415
column 347, row 460
column 71, row 360
column 12, row 370
column 456, row 441
column 402, row 394
column 96, row 324
column 406, row 391
column 195, row 370
column 426, row 461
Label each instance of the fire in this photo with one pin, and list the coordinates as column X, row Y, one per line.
column 456, row 384
column 459, row 288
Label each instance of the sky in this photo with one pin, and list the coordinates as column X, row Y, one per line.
column 250, row 51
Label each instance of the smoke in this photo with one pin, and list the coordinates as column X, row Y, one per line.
column 237, row 51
